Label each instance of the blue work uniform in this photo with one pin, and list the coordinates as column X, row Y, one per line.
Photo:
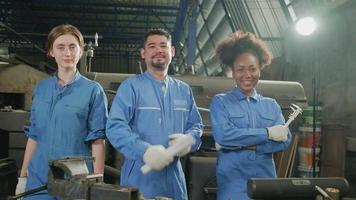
column 64, row 122
column 145, row 111
column 239, row 121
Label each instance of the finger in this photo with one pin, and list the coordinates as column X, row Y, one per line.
column 171, row 142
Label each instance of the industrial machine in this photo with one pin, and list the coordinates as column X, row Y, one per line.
column 69, row 179
column 296, row 188
column 204, row 89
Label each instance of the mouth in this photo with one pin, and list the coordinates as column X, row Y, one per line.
column 159, row 56
column 68, row 61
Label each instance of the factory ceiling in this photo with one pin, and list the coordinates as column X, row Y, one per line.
column 120, row 24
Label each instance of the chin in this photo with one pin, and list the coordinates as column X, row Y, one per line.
column 68, row 66
column 159, row 65
column 247, row 89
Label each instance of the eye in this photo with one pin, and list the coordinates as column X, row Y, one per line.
column 253, row 69
column 240, row 69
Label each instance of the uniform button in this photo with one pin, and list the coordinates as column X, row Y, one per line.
column 252, row 155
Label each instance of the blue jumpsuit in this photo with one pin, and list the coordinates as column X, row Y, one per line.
column 64, row 121
column 241, row 121
column 145, row 112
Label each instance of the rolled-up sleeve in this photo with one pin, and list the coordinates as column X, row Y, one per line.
column 31, row 129
column 97, row 115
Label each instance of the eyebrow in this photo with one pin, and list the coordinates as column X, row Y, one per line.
column 61, row 44
column 244, row 66
column 153, row 43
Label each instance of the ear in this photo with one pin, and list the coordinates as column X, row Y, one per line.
column 232, row 72
column 81, row 52
column 51, row 53
column 142, row 52
column 173, row 51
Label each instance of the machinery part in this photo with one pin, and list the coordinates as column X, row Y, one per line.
column 292, row 188
column 69, row 179
column 18, row 196
column 8, row 177
column 202, row 183
column 323, row 193
column 103, row 191
column 334, row 193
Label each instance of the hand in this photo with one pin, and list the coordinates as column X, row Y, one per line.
column 21, row 185
column 278, row 133
column 217, row 146
column 177, row 137
column 157, row 157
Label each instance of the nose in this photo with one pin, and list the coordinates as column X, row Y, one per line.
column 67, row 52
column 159, row 50
column 246, row 73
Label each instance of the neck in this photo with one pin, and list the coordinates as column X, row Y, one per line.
column 248, row 93
column 158, row 74
column 66, row 75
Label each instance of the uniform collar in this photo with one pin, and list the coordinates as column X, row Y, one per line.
column 160, row 82
column 76, row 77
column 237, row 92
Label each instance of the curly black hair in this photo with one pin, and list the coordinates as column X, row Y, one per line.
column 240, row 42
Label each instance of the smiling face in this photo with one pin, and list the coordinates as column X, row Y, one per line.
column 246, row 72
column 157, row 53
column 66, row 52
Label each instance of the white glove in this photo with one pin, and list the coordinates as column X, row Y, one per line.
column 177, row 137
column 21, row 185
column 217, row 146
column 157, row 157
column 278, row 133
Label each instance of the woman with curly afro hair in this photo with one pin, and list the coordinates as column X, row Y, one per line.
column 248, row 128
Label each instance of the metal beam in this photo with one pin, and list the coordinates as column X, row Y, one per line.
column 29, row 11
column 178, row 29
column 77, row 3
column 96, row 26
column 88, row 20
column 22, row 37
column 192, row 32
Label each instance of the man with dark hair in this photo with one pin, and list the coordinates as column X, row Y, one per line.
column 151, row 112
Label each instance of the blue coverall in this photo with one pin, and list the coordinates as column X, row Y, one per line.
column 64, row 122
column 241, row 121
column 145, row 112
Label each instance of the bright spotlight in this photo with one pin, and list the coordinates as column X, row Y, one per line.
column 305, row 26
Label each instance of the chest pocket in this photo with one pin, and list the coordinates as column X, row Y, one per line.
column 149, row 119
column 266, row 120
column 240, row 119
column 81, row 111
